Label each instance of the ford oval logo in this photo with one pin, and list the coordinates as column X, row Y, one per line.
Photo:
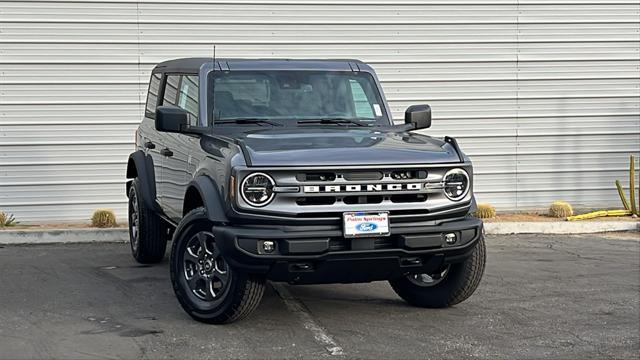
column 366, row 227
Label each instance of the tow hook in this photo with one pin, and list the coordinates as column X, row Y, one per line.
column 300, row 267
column 413, row 261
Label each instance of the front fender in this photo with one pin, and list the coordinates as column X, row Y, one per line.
column 211, row 198
column 474, row 205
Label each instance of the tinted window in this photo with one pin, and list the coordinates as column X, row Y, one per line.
column 171, row 90
column 152, row 95
column 288, row 97
column 362, row 105
column 188, row 97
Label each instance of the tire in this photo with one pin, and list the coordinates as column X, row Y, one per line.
column 451, row 286
column 207, row 288
column 147, row 231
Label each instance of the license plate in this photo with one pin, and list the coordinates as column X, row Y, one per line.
column 366, row 224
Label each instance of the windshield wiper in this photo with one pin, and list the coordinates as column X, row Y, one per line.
column 246, row 120
column 332, row 120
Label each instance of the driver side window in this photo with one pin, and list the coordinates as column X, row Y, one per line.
column 170, row 90
column 188, row 97
column 182, row 91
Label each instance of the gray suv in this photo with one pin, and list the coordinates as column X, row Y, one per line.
column 293, row 171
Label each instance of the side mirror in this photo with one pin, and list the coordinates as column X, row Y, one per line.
column 171, row 119
column 419, row 116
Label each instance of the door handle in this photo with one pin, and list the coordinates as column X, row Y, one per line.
column 149, row 145
column 166, row 152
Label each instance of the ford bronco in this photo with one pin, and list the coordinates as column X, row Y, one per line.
column 293, row 171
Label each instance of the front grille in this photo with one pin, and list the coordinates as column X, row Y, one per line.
column 327, row 193
column 388, row 188
column 363, row 199
column 363, row 176
column 308, row 201
column 316, row 176
column 408, row 198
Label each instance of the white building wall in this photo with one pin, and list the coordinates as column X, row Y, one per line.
column 543, row 95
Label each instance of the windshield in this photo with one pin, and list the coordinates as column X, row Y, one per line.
column 295, row 98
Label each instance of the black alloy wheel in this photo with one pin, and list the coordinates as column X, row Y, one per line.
column 134, row 221
column 147, row 231
column 205, row 272
column 206, row 286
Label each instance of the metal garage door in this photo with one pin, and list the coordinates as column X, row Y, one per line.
column 543, row 95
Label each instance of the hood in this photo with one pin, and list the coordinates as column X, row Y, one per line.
column 314, row 146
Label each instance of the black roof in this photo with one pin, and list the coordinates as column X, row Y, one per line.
column 192, row 65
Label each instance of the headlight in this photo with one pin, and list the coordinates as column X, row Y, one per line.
column 456, row 184
column 257, row 189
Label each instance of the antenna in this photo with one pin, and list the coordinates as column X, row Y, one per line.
column 213, row 83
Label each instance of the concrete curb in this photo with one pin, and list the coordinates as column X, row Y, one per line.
column 90, row 235
column 63, row 236
column 560, row 227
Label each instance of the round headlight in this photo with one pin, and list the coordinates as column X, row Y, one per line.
column 257, row 189
column 456, row 184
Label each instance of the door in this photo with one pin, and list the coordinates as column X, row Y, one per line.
column 150, row 137
column 181, row 91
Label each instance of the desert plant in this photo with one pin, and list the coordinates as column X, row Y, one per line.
column 103, row 218
column 630, row 206
column 632, row 184
column 623, row 198
column 7, row 220
column 485, row 211
column 560, row 209
column 597, row 214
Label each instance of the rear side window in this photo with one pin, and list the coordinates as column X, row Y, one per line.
column 171, row 90
column 152, row 95
column 188, row 97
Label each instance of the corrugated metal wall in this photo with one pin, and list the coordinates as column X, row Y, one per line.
column 544, row 95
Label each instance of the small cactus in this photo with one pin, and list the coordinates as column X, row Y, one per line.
column 7, row 220
column 103, row 218
column 630, row 206
column 623, row 198
column 485, row 211
column 560, row 209
column 632, row 185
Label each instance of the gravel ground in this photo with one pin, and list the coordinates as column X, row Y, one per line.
column 541, row 297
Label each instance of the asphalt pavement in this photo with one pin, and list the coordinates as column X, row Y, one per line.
column 568, row 297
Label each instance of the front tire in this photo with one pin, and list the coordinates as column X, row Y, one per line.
column 448, row 286
column 207, row 288
column 147, row 231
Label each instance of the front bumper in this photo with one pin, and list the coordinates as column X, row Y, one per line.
column 320, row 254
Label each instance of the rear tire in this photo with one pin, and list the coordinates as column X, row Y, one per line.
column 208, row 289
column 448, row 287
column 147, row 231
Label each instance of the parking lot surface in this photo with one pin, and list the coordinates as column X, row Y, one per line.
column 541, row 297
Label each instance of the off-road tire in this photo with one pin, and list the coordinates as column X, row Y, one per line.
column 460, row 281
column 151, row 243
column 244, row 291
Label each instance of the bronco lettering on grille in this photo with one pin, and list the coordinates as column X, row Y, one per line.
column 362, row 188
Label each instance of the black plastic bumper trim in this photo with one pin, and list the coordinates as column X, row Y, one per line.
column 311, row 251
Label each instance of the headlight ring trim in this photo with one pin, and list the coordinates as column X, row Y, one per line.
column 459, row 171
column 272, row 183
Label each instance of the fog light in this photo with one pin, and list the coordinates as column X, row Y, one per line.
column 268, row 246
column 450, row 238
